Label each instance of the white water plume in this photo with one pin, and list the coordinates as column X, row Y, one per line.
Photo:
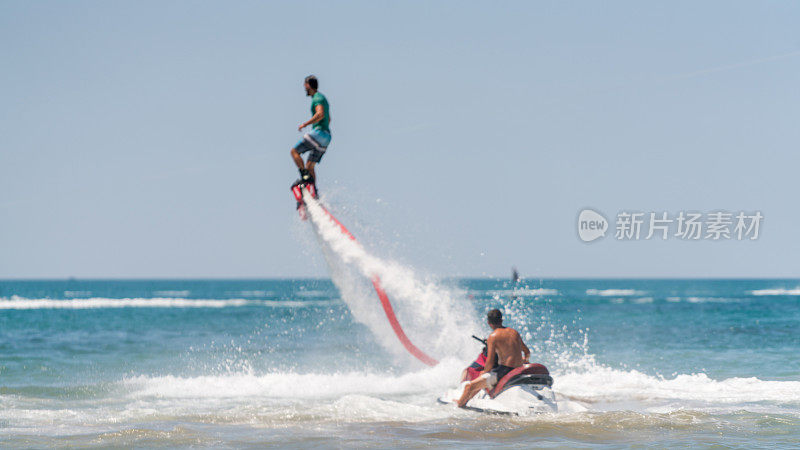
column 437, row 320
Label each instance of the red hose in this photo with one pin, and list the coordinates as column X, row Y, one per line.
column 387, row 307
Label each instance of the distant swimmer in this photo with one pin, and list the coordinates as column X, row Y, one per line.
column 507, row 344
column 317, row 140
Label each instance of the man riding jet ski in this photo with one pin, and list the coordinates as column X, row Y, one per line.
column 506, row 383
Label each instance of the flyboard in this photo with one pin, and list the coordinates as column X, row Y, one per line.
column 298, row 190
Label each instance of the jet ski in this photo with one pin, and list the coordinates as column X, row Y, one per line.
column 524, row 391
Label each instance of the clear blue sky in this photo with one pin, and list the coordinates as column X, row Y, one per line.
column 151, row 139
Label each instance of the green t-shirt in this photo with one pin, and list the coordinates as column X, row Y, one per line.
column 319, row 99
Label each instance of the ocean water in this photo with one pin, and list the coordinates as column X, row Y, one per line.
column 313, row 363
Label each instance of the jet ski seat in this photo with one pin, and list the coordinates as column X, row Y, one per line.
column 527, row 374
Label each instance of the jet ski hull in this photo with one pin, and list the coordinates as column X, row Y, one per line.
column 520, row 400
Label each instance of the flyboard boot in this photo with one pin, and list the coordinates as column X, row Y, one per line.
column 305, row 181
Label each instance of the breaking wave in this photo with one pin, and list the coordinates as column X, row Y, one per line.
column 761, row 292
column 158, row 302
column 614, row 292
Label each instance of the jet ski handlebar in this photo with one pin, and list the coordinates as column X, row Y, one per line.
column 482, row 341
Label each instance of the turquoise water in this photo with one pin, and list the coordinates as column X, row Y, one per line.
column 296, row 363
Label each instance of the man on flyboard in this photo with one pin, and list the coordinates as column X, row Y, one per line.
column 315, row 141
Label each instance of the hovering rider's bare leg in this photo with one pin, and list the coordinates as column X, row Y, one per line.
column 298, row 160
column 310, row 167
column 306, row 168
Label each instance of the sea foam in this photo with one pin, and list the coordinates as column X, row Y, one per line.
column 16, row 302
column 612, row 385
column 795, row 291
column 614, row 292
